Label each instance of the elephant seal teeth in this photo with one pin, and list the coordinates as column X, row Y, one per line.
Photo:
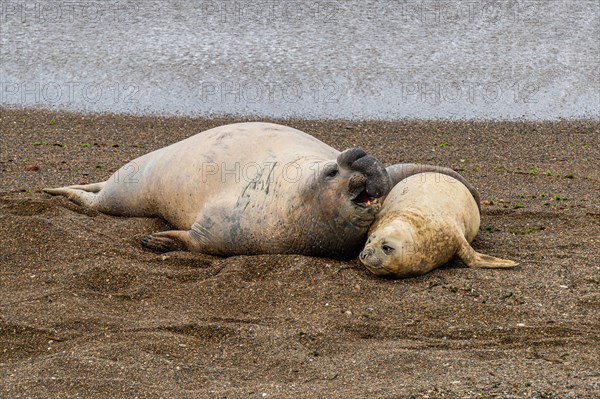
column 364, row 200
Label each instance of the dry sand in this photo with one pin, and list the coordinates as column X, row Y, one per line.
column 86, row 312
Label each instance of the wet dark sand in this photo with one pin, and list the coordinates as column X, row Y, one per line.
column 86, row 312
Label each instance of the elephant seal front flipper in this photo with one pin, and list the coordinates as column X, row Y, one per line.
column 194, row 240
column 167, row 241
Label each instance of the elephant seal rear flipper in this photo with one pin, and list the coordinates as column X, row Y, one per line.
column 84, row 194
column 472, row 258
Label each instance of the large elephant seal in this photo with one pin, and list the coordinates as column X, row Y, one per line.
column 247, row 188
column 425, row 220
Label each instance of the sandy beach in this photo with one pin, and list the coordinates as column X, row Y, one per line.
column 86, row 312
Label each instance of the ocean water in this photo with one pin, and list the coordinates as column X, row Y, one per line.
column 505, row 60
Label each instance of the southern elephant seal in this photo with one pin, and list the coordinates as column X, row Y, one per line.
column 425, row 220
column 247, row 188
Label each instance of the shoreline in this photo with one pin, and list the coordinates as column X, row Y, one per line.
column 256, row 117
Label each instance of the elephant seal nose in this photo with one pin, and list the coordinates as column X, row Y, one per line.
column 366, row 253
column 378, row 182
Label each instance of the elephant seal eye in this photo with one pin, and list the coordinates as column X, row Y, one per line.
column 387, row 249
column 331, row 173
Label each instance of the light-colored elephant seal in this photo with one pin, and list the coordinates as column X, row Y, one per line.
column 247, row 188
column 425, row 220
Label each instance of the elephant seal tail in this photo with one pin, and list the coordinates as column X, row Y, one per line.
column 86, row 195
